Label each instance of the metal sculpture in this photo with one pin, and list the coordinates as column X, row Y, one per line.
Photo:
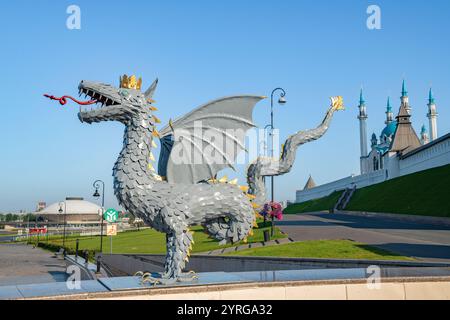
column 187, row 193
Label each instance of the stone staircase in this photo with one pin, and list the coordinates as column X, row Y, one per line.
column 344, row 199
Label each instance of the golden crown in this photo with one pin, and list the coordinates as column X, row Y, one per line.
column 130, row 82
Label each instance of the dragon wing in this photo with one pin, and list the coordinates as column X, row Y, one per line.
column 206, row 140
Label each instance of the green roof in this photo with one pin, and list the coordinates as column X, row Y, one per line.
column 389, row 130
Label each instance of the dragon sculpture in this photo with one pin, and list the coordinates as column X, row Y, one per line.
column 186, row 193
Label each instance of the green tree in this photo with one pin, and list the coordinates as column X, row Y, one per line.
column 28, row 217
column 11, row 217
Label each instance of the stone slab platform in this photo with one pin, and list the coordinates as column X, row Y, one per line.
column 280, row 280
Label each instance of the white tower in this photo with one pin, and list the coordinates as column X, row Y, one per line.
column 432, row 116
column 362, row 117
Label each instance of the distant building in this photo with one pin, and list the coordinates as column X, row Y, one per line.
column 309, row 184
column 75, row 210
column 41, row 206
column 399, row 150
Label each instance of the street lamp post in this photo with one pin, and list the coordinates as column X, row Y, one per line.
column 265, row 154
column 65, row 221
column 96, row 194
column 281, row 100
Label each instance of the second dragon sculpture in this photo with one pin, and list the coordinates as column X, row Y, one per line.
column 185, row 192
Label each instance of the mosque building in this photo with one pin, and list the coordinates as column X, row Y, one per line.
column 397, row 138
column 397, row 151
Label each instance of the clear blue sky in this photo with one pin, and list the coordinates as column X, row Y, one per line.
column 201, row 50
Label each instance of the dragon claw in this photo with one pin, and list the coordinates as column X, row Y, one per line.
column 188, row 276
column 146, row 277
column 151, row 280
column 139, row 274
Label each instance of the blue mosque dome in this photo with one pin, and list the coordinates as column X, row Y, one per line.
column 389, row 130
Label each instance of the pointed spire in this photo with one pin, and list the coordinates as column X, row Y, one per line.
column 389, row 114
column 430, row 97
column 404, row 92
column 388, row 105
column 423, row 130
column 361, row 98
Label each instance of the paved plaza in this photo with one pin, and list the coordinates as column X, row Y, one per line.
column 21, row 264
column 423, row 241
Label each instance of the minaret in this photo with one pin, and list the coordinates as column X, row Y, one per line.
column 432, row 116
column 404, row 98
column 389, row 114
column 424, row 135
column 362, row 117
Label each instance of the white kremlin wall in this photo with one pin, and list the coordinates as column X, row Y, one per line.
column 328, row 188
column 433, row 154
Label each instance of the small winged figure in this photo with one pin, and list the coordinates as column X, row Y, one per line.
column 185, row 192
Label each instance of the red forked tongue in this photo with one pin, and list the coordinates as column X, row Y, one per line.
column 63, row 100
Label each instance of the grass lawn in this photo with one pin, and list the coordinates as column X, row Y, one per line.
column 151, row 241
column 332, row 249
column 321, row 204
column 422, row 193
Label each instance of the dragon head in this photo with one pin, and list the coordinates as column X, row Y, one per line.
column 117, row 104
column 337, row 103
